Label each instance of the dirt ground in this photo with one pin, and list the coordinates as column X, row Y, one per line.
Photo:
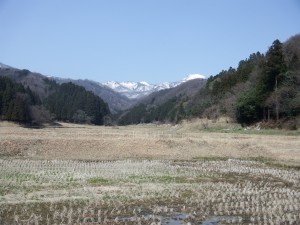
column 180, row 142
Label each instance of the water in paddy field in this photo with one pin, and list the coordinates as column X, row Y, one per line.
column 180, row 219
column 216, row 220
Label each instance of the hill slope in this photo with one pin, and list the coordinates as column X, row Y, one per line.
column 116, row 101
column 263, row 88
column 164, row 105
column 27, row 96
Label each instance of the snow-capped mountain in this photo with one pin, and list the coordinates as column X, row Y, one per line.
column 140, row 89
column 130, row 89
column 192, row 77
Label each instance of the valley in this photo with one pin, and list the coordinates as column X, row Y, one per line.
column 150, row 113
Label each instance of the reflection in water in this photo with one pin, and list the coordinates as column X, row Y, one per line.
column 182, row 218
column 176, row 219
column 216, row 220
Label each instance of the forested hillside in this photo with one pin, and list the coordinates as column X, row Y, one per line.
column 162, row 106
column 33, row 99
column 16, row 102
column 74, row 104
column 264, row 87
column 115, row 101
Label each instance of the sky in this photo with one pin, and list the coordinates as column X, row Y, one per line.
column 140, row 40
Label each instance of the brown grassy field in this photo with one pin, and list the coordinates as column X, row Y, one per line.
column 186, row 141
column 197, row 172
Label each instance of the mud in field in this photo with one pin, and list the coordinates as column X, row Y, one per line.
column 83, row 142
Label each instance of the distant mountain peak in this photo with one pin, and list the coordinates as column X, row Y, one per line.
column 145, row 83
column 193, row 76
column 139, row 89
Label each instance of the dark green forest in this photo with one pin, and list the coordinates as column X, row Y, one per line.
column 66, row 102
column 15, row 101
column 73, row 103
column 142, row 113
column 264, row 87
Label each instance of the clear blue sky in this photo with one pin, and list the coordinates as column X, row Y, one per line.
column 135, row 40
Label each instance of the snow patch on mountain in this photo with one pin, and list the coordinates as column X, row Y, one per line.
column 139, row 89
column 193, row 76
column 145, row 83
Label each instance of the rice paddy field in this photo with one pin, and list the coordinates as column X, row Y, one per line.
column 148, row 174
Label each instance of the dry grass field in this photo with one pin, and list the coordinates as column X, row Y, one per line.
column 186, row 141
column 198, row 172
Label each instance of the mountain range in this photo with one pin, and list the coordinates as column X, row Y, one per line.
column 119, row 96
column 135, row 90
column 263, row 88
column 116, row 101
